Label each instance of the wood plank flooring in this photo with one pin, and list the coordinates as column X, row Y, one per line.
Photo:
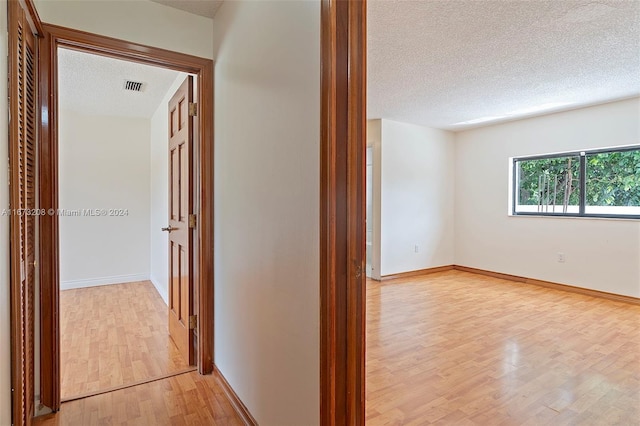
column 186, row 399
column 114, row 335
column 456, row 348
column 450, row 348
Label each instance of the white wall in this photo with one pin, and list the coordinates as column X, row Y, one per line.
column 267, row 156
column 600, row 254
column 374, row 140
column 139, row 21
column 417, row 196
column 159, row 179
column 104, row 164
column 5, row 331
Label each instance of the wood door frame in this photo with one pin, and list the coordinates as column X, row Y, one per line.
column 343, row 212
column 56, row 36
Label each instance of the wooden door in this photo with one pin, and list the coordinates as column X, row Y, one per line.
column 23, row 126
column 181, row 221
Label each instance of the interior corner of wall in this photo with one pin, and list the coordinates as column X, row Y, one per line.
column 160, row 289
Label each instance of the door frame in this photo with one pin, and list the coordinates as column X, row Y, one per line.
column 56, row 36
column 343, row 128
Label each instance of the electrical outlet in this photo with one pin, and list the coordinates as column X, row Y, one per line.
column 416, row 248
column 561, row 258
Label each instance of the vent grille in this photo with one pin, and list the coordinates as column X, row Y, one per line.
column 134, row 86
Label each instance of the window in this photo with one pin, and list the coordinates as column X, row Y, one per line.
column 599, row 183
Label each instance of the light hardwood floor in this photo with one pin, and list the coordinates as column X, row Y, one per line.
column 114, row 335
column 456, row 348
column 451, row 348
column 186, row 399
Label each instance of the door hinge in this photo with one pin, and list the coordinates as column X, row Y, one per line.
column 193, row 109
column 192, row 221
column 193, row 322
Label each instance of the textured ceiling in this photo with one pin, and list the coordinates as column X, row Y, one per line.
column 438, row 63
column 94, row 84
column 206, row 8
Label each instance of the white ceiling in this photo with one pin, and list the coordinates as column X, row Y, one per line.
column 438, row 63
column 93, row 85
column 206, row 8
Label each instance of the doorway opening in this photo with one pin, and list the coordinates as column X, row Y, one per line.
column 114, row 183
column 190, row 210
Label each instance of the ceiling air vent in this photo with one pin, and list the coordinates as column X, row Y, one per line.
column 134, row 86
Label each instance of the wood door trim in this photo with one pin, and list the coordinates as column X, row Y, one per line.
column 32, row 15
column 342, row 212
column 49, row 259
column 53, row 37
column 126, row 50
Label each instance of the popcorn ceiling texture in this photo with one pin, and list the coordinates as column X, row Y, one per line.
column 93, row 85
column 437, row 63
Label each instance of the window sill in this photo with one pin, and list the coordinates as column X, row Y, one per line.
column 550, row 216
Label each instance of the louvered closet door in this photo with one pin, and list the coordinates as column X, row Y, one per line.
column 23, row 137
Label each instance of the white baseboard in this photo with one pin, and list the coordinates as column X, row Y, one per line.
column 162, row 291
column 94, row 282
